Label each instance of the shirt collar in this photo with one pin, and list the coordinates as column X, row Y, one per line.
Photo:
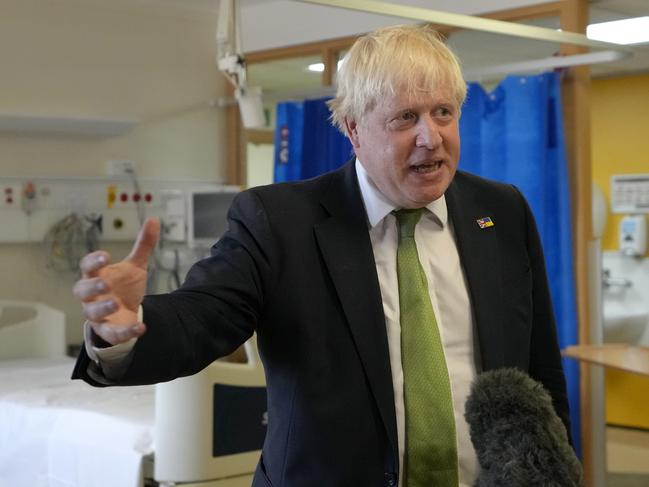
column 378, row 206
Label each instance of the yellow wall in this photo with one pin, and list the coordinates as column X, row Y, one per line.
column 620, row 136
column 626, row 399
column 620, row 145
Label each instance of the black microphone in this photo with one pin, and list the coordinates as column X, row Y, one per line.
column 518, row 437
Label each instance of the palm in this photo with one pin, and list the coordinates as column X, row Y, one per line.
column 111, row 293
column 128, row 283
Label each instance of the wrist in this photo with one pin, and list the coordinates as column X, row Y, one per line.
column 98, row 341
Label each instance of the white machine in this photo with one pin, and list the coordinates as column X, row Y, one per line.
column 209, row 427
column 206, row 215
column 633, row 235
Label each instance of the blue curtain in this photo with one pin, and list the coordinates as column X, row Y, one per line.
column 515, row 134
column 306, row 144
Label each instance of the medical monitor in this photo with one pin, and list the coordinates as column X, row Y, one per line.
column 207, row 215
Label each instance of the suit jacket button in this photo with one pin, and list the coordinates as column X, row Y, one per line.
column 390, row 479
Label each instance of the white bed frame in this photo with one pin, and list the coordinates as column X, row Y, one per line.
column 183, row 424
column 31, row 330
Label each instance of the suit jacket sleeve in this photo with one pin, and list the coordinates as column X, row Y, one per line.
column 211, row 314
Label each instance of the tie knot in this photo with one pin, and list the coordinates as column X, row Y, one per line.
column 407, row 220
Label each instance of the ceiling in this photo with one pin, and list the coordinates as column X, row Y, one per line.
column 604, row 10
column 493, row 49
column 498, row 49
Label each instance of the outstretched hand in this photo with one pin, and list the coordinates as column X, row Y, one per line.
column 111, row 293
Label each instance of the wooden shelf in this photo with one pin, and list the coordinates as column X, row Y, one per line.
column 623, row 357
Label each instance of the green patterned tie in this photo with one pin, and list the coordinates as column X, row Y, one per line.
column 431, row 448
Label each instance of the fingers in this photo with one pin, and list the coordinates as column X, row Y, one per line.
column 112, row 321
column 146, row 241
column 118, row 334
column 89, row 289
column 99, row 310
column 92, row 262
column 109, row 308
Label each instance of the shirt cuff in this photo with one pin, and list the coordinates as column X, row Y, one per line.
column 112, row 359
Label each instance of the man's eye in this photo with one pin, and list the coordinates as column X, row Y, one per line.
column 403, row 119
column 444, row 112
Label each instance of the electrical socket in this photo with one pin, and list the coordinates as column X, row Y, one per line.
column 120, row 167
column 11, row 196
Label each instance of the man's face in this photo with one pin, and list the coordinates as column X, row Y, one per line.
column 409, row 146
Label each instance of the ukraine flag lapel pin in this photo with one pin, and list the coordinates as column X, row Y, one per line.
column 485, row 222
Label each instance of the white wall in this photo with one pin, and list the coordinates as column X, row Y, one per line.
column 626, row 301
column 112, row 59
column 260, row 164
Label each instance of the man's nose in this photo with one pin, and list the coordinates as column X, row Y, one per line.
column 428, row 134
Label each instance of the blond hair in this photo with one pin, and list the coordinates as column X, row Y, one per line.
column 402, row 57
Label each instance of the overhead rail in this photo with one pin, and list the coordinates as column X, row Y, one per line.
column 605, row 52
column 469, row 22
column 543, row 64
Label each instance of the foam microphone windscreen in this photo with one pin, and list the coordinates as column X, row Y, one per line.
column 518, row 437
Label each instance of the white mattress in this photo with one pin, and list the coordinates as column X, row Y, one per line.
column 55, row 432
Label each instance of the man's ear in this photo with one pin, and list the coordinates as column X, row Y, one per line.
column 352, row 133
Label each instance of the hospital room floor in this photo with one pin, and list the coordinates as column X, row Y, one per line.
column 627, row 457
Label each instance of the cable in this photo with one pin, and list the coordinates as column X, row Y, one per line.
column 95, row 228
column 139, row 204
column 65, row 243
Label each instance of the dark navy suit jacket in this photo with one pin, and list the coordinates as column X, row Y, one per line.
column 297, row 267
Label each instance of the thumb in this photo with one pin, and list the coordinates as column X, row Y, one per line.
column 146, row 241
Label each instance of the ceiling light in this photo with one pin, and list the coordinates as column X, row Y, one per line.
column 627, row 31
column 319, row 67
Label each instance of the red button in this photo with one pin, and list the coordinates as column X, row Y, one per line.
column 123, row 197
column 136, row 197
column 148, row 197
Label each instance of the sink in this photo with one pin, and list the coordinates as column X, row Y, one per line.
column 624, row 323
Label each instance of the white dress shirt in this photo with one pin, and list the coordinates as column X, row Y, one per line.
column 450, row 299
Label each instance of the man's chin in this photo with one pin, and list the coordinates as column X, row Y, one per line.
column 429, row 195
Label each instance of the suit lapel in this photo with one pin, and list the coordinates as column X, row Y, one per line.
column 478, row 248
column 347, row 251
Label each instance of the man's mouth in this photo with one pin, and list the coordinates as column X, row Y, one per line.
column 427, row 166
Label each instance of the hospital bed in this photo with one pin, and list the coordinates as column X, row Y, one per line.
column 200, row 431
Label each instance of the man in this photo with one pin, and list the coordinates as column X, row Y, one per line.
column 377, row 291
